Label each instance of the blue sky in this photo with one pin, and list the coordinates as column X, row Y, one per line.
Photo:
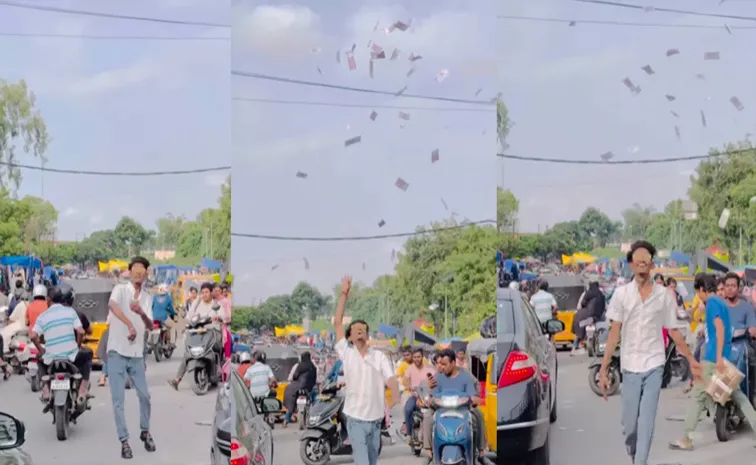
column 563, row 86
column 349, row 190
column 120, row 105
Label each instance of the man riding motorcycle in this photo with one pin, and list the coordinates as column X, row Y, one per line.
column 63, row 331
column 415, row 374
column 451, row 378
column 163, row 311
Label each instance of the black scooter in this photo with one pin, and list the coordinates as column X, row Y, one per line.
column 613, row 371
column 675, row 365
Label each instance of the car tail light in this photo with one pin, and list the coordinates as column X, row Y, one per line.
column 519, row 367
column 60, row 376
column 239, row 454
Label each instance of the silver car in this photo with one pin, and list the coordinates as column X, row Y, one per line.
column 12, row 437
column 239, row 428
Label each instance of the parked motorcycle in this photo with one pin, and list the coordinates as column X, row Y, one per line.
column 613, row 370
column 204, row 364
column 326, row 433
column 158, row 342
column 452, row 430
column 675, row 365
column 64, row 379
column 728, row 418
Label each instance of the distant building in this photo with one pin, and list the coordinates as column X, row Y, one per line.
column 164, row 254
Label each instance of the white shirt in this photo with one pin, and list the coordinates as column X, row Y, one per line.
column 365, row 379
column 642, row 322
column 118, row 334
column 543, row 303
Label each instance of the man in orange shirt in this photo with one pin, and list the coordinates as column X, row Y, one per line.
column 37, row 306
column 245, row 361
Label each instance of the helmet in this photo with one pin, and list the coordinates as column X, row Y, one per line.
column 63, row 294
column 244, row 357
column 39, row 291
column 514, row 285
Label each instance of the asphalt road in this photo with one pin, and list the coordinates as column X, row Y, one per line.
column 588, row 430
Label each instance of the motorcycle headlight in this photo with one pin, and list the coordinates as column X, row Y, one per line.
column 314, row 419
column 196, row 351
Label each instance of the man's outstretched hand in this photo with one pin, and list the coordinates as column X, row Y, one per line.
column 346, row 284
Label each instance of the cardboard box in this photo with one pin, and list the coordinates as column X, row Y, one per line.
column 721, row 385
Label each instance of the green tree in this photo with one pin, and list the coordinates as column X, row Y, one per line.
column 503, row 124
column 210, row 233
column 306, row 298
column 169, row 229
column 131, row 235
column 597, row 226
column 21, row 125
column 507, row 207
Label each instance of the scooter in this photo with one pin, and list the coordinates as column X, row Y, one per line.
column 20, row 352
column 453, row 441
column 728, row 418
column 204, row 364
column 303, row 407
column 613, row 371
column 675, row 365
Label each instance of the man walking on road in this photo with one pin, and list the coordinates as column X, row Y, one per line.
column 718, row 348
column 130, row 319
column 638, row 311
column 367, row 374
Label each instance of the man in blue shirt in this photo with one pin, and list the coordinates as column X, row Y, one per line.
column 718, row 348
column 163, row 311
column 452, row 378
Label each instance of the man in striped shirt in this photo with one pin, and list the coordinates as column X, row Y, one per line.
column 62, row 331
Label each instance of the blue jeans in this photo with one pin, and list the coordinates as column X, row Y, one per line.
column 105, row 369
column 640, row 399
column 365, row 437
column 119, row 368
column 409, row 408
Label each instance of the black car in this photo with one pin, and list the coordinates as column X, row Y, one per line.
column 12, row 437
column 526, row 394
column 240, row 434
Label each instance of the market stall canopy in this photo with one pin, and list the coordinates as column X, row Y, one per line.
column 210, row 264
column 387, row 330
column 411, row 335
column 679, row 257
column 21, row 261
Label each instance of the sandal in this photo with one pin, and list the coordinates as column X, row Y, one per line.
column 681, row 444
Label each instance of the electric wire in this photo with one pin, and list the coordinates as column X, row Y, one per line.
column 114, row 173
column 667, row 10
column 359, row 238
column 649, row 161
column 357, row 89
column 70, row 11
column 577, row 22
column 358, row 105
column 109, row 37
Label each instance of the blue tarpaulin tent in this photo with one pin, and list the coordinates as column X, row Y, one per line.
column 387, row 330
column 211, row 265
column 21, row 261
column 679, row 257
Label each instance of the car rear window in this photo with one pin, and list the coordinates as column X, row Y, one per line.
column 505, row 321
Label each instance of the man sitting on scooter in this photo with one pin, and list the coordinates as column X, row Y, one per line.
column 415, row 374
column 451, row 378
column 742, row 316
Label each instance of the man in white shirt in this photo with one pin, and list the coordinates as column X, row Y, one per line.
column 544, row 303
column 638, row 311
column 130, row 318
column 367, row 374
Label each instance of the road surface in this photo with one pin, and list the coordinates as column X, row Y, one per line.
column 588, row 430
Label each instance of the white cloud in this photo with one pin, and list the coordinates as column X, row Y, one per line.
column 108, row 81
column 279, row 32
column 70, row 211
column 95, row 219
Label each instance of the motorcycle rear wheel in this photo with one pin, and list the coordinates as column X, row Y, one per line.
column 61, row 422
column 720, row 423
column 593, row 380
column 35, row 383
column 158, row 352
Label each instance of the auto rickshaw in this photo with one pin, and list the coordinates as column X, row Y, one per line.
column 481, row 359
column 567, row 290
column 92, row 298
column 281, row 359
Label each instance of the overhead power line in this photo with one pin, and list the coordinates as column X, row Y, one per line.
column 115, row 173
column 357, row 89
column 359, row 238
column 649, row 161
column 358, row 105
column 577, row 22
column 109, row 37
column 71, row 11
column 667, row 10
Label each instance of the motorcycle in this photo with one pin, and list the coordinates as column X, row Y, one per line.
column 158, row 342
column 20, row 352
column 326, row 433
column 613, row 370
column 424, row 403
column 452, row 430
column 64, row 380
column 32, row 369
column 593, row 335
column 303, row 407
column 675, row 365
column 728, row 418
column 204, row 364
